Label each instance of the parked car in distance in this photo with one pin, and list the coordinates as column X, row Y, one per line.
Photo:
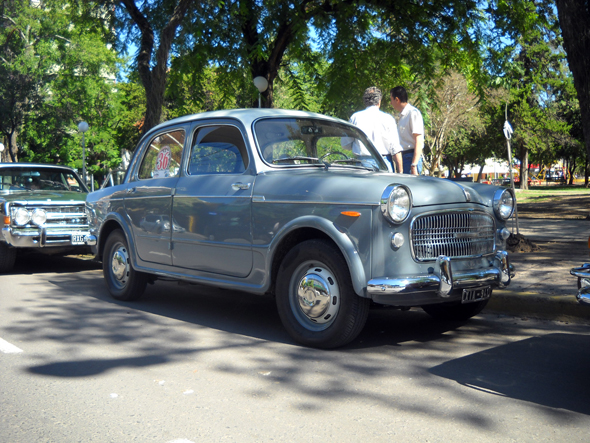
column 583, row 274
column 299, row 206
column 42, row 209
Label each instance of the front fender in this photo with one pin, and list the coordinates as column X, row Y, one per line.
column 114, row 221
column 338, row 236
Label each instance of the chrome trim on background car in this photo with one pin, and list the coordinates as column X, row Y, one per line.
column 583, row 274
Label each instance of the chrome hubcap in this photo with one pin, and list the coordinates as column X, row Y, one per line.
column 120, row 264
column 316, row 296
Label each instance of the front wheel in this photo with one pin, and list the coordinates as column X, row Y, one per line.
column 124, row 282
column 455, row 312
column 315, row 299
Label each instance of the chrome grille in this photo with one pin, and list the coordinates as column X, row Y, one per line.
column 59, row 215
column 454, row 234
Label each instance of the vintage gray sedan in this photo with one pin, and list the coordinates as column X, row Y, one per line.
column 299, row 206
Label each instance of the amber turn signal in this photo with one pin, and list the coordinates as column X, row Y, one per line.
column 358, row 214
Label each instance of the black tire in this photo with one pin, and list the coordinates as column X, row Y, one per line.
column 7, row 257
column 455, row 312
column 124, row 282
column 315, row 299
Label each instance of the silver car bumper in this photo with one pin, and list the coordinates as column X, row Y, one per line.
column 441, row 281
column 583, row 274
column 43, row 237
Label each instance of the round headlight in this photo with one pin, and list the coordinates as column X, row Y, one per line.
column 22, row 216
column 396, row 202
column 39, row 217
column 504, row 203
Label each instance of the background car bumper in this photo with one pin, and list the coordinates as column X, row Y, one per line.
column 583, row 274
column 41, row 238
column 441, row 284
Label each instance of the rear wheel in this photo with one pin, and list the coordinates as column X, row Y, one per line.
column 7, row 257
column 456, row 312
column 124, row 282
column 315, row 299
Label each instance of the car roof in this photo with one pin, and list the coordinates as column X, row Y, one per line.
column 32, row 165
column 246, row 116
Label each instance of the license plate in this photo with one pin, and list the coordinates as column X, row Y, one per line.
column 78, row 239
column 473, row 295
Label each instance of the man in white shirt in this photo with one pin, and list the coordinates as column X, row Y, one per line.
column 411, row 131
column 380, row 128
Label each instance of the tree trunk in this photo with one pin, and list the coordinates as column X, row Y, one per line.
column 574, row 20
column 13, row 147
column 524, row 170
column 154, row 79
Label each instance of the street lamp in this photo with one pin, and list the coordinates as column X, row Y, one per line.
column 262, row 84
column 83, row 127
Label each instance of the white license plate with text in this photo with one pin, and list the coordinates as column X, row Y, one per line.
column 478, row 294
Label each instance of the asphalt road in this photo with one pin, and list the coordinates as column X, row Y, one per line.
column 189, row 364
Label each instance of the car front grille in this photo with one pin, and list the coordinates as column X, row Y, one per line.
column 459, row 234
column 60, row 215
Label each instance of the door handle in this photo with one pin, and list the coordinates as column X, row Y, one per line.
column 130, row 190
column 242, row 186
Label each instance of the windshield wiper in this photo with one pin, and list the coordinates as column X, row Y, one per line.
column 297, row 157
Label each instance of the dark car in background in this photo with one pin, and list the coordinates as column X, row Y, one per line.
column 42, row 209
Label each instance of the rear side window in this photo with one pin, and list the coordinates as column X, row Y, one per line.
column 218, row 149
column 163, row 156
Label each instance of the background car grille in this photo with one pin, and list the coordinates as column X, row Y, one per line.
column 60, row 215
column 454, row 234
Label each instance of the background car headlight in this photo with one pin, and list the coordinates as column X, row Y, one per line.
column 504, row 203
column 22, row 216
column 39, row 217
column 396, row 202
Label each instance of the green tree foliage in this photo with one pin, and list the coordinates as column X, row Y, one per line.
column 68, row 75
column 531, row 64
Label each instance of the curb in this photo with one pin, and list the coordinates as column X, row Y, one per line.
column 530, row 304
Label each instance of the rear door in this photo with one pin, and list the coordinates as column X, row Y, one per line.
column 211, row 214
column 148, row 202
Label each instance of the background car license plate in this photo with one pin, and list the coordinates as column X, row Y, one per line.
column 473, row 295
column 78, row 239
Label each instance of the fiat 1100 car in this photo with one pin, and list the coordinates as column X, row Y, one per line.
column 42, row 209
column 299, row 206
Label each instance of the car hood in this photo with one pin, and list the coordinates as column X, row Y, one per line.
column 35, row 196
column 365, row 187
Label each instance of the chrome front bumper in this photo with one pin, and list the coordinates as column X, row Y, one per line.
column 583, row 274
column 441, row 281
column 43, row 237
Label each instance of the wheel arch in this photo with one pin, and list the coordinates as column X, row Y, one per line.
column 308, row 228
column 112, row 223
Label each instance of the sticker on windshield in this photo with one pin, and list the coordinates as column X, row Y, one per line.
column 162, row 163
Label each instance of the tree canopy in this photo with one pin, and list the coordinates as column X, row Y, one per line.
column 455, row 57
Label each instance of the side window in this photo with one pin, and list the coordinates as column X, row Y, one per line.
column 163, row 155
column 218, row 149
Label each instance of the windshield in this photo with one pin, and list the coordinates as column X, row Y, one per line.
column 306, row 141
column 35, row 179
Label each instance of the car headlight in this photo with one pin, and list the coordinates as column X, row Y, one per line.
column 504, row 203
column 22, row 216
column 396, row 202
column 39, row 217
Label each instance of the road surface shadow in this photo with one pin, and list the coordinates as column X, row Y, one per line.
column 549, row 370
